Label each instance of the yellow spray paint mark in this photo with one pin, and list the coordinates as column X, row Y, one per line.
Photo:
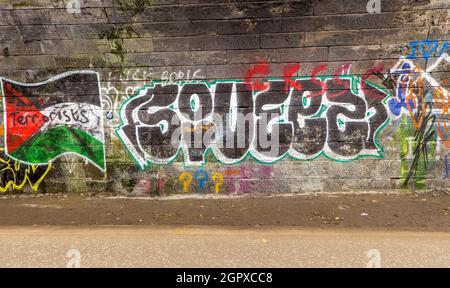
column 218, row 179
column 186, row 179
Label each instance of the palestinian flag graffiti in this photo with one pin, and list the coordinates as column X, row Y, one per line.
column 61, row 115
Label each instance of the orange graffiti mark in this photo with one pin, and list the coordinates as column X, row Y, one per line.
column 443, row 104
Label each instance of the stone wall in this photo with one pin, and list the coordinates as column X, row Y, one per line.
column 95, row 92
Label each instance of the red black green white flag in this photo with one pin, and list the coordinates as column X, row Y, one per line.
column 46, row 120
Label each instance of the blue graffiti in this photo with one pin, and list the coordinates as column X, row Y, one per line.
column 201, row 176
column 396, row 104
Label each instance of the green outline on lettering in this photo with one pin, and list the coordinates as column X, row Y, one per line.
column 354, row 85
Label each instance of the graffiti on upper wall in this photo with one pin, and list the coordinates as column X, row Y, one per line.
column 315, row 116
column 43, row 121
column 183, row 118
column 428, row 48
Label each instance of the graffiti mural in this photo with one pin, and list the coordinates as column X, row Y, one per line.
column 253, row 97
column 424, row 101
column 328, row 116
column 43, row 121
column 410, row 97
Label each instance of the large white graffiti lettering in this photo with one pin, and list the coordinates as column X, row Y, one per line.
column 330, row 116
